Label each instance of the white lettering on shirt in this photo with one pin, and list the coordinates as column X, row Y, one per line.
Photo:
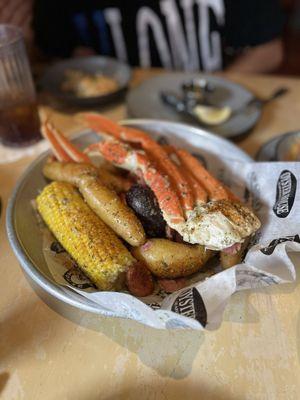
column 113, row 18
column 184, row 45
column 189, row 22
column 147, row 20
column 177, row 40
column 210, row 42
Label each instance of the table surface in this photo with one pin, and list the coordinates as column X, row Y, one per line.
column 254, row 355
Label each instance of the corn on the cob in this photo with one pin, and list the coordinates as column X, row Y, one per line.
column 92, row 244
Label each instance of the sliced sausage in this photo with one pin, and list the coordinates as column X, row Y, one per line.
column 172, row 285
column 139, row 280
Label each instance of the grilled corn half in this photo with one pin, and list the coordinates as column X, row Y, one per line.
column 91, row 243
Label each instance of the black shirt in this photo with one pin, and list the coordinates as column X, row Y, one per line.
column 179, row 34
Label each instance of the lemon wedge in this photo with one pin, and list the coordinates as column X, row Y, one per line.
column 212, row 115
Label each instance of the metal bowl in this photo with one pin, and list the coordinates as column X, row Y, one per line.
column 288, row 147
column 24, row 233
column 54, row 76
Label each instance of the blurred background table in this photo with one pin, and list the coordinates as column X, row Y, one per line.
column 254, row 355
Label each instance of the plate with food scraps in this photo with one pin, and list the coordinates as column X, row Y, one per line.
column 71, row 276
column 88, row 81
column 145, row 101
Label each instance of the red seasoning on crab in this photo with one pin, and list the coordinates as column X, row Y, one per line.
column 137, row 162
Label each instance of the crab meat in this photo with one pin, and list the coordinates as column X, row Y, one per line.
column 219, row 224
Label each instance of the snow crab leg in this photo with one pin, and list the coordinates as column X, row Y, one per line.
column 63, row 149
column 139, row 163
column 198, row 190
column 214, row 188
column 155, row 152
column 190, row 181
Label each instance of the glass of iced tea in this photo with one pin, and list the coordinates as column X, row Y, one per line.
column 19, row 120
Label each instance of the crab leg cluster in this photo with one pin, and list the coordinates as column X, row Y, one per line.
column 156, row 154
column 192, row 183
column 119, row 153
column 192, row 201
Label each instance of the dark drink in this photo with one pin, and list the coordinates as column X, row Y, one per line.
column 19, row 125
column 19, row 121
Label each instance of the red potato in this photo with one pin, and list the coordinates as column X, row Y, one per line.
column 71, row 172
column 114, row 182
column 229, row 259
column 110, row 208
column 68, row 172
column 167, row 259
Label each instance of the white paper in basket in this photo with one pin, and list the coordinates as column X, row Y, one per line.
column 272, row 190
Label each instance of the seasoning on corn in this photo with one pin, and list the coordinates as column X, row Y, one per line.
column 92, row 244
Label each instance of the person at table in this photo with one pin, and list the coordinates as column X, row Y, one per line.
column 208, row 35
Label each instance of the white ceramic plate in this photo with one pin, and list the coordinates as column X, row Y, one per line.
column 144, row 102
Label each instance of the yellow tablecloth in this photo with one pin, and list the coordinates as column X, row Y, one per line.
column 254, row 355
